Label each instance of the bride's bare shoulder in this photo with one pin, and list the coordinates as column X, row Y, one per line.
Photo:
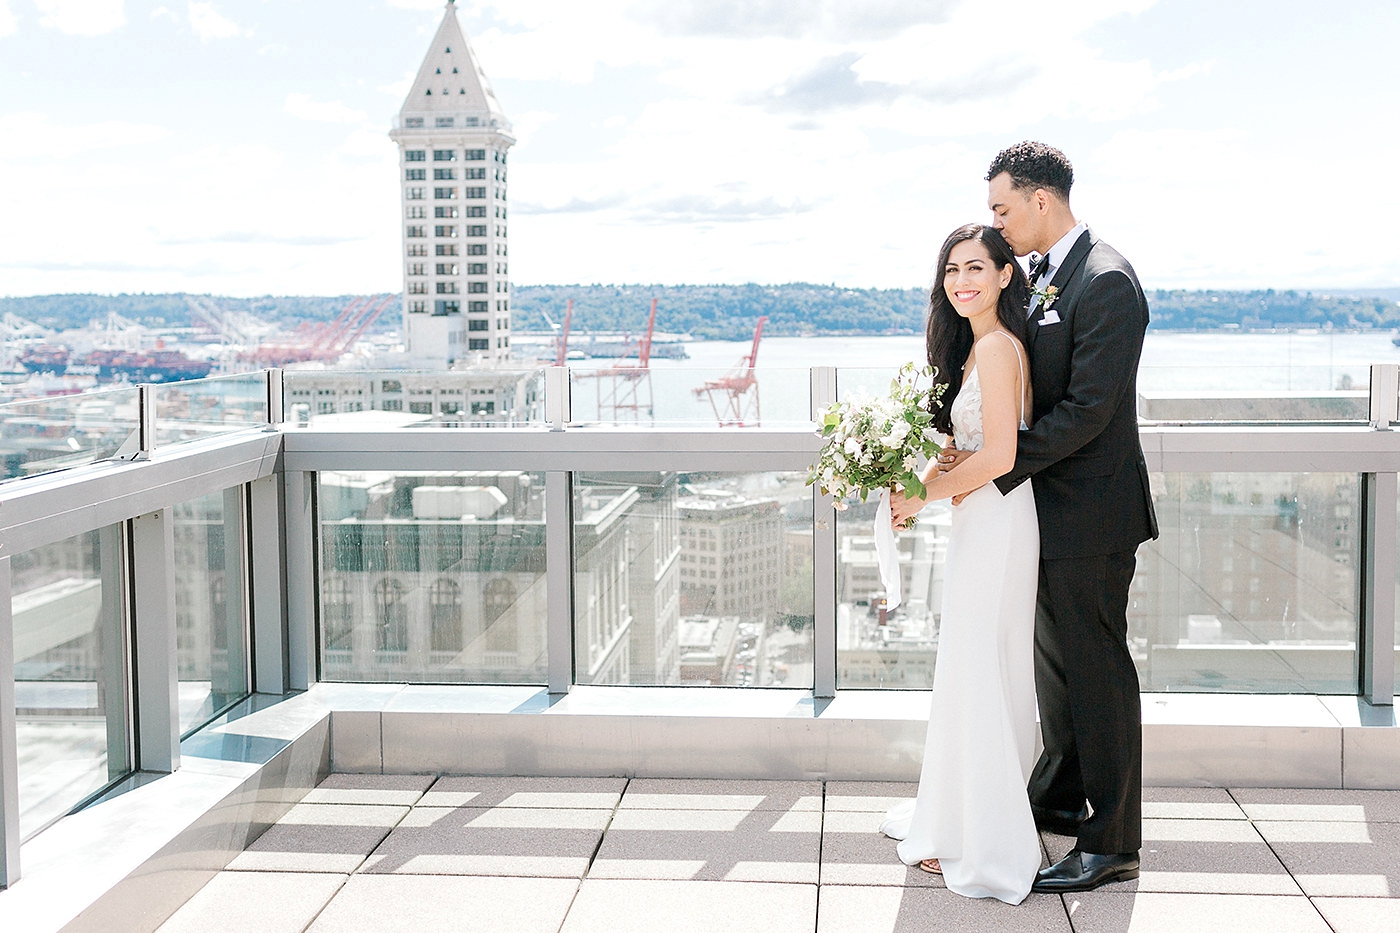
column 999, row 343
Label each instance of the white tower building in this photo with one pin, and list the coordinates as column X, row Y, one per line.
column 453, row 138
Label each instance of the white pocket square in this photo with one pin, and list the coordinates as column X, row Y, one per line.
column 1051, row 317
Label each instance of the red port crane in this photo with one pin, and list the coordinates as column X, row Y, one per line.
column 624, row 388
column 734, row 396
column 321, row 342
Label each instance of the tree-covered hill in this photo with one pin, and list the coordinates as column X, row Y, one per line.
column 729, row 311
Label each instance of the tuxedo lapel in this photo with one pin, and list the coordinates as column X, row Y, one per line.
column 1066, row 271
column 1073, row 260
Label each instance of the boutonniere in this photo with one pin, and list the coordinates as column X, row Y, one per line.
column 1047, row 296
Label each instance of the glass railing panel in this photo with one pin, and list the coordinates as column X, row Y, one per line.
column 696, row 579
column 1251, row 587
column 70, row 673
column 876, row 647
column 210, row 615
column 433, row 577
column 389, row 399
column 203, row 407
column 58, row 432
column 1225, row 376
column 622, row 393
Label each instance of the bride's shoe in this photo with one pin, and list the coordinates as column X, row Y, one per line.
column 931, row 866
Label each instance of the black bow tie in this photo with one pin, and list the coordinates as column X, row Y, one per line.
column 1039, row 266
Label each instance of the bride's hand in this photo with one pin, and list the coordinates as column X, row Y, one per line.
column 903, row 508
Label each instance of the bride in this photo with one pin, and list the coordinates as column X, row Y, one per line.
column 971, row 821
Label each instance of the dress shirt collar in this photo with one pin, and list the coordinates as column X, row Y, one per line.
column 1061, row 249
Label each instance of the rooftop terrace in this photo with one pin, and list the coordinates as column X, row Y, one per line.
column 211, row 600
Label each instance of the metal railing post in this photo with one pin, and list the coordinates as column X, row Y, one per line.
column 302, row 575
column 559, row 580
column 268, row 584
column 275, row 413
column 1376, row 641
column 9, row 740
column 823, row 557
column 557, row 400
column 157, row 675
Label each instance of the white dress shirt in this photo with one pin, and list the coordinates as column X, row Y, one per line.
column 1058, row 252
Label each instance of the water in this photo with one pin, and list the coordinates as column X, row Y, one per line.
column 1172, row 363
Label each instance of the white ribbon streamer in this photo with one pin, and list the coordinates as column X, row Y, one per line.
column 887, row 553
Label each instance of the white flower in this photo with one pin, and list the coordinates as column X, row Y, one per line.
column 911, row 463
column 852, row 447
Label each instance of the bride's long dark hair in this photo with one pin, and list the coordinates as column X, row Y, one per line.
column 949, row 337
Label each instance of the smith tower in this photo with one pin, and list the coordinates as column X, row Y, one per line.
column 453, row 138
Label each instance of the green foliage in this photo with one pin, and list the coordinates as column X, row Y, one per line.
column 728, row 312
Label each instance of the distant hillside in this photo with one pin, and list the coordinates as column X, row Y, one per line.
column 729, row 311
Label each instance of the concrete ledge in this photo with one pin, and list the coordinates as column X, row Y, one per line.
column 1188, row 739
column 129, row 861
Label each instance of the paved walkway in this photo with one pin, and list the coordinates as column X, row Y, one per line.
column 518, row 855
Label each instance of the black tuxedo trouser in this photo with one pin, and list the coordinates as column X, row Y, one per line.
column 1090, row 706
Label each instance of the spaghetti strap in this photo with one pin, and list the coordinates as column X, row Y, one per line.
column 1020, row 367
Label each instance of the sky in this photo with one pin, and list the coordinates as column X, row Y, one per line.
column 240, row 147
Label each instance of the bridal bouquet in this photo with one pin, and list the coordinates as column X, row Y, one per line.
column 877, row 443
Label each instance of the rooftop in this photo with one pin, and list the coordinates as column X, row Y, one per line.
column 538, row 855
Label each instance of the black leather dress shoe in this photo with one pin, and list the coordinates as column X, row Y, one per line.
column 1060, row 822
column 1084, row 871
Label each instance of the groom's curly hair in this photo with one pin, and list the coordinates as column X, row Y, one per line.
column 1034, row 165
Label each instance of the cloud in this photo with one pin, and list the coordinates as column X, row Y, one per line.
column 572, row 206
column 254, row 238
column 9, row 23
column 34, row 135
column 833, row 84
column 417, row 4
column 303, row 106
column 163, row 12
column 81, row 17
column 699, row 208
column 208, row 23
column 831, row 19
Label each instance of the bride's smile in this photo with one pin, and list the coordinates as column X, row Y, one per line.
column 972, row 280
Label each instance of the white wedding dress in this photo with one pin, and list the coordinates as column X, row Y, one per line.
column 972, row 812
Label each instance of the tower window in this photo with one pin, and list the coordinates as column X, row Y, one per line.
column 445, row 155
column 454, row 71
column 444, row 174
column 443, row 122
column 415, row 155
column 476, row 155
column 439, row 71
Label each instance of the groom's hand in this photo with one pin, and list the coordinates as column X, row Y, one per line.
column 950, row 457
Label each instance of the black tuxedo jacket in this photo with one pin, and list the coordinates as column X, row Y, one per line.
column 1082, row 453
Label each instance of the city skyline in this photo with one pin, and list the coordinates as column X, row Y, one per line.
column 242, row 148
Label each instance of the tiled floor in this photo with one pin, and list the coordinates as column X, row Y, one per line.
column 574, row 855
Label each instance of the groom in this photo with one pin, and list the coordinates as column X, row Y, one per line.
column 1084, row 459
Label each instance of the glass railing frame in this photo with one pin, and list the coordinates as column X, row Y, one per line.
column 277, row 466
